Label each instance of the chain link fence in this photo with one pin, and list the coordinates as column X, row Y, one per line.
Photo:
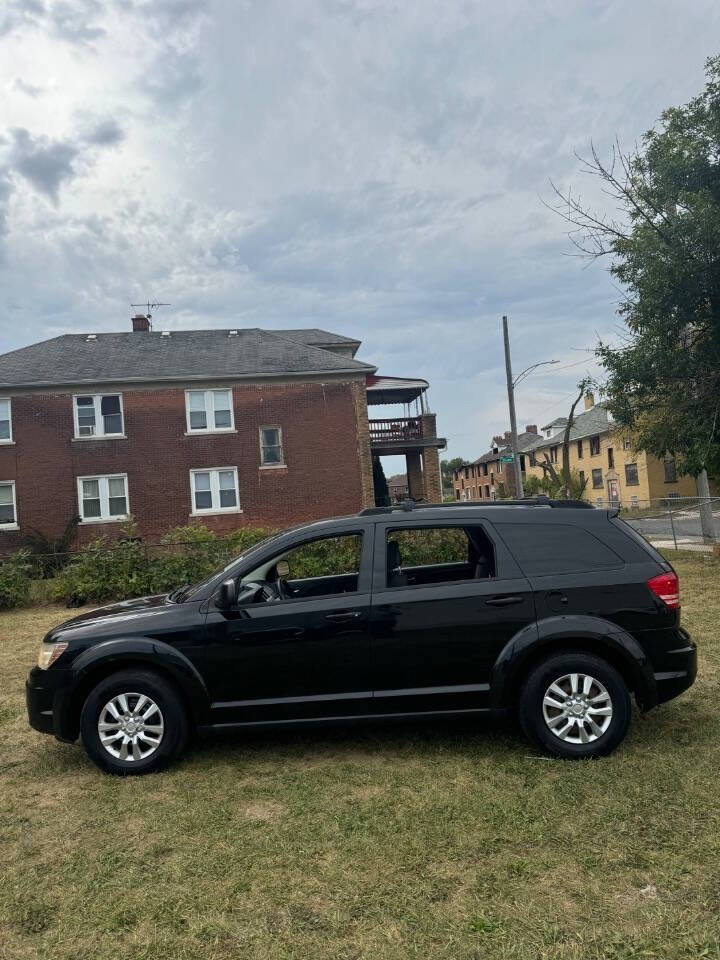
column 676, row 522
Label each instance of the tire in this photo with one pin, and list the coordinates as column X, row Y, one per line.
column 143, row 738
column 579, row 726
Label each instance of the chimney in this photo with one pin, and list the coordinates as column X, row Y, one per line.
column 531, row 428
column 141, row 323
column 589, row 401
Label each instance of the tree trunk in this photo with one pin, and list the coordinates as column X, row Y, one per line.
column 566, row 441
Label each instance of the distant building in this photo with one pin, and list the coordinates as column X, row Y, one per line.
column 488, row 477
column 398, row 488
column 604, row 458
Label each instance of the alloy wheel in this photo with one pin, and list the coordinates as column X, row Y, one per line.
column 131, row 727
column 577, row 708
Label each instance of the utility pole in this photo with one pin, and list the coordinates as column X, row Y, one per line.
column 519, row 492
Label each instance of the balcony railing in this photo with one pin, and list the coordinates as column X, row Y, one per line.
column 396, row 428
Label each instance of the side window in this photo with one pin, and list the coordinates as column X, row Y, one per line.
column 271, row 448
column 543, row 548
column 5, row 421
column 209, row 411
column 98, row 415
column 437, row 554
column 318, row 568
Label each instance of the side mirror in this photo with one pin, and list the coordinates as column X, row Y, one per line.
column 282, row 568
column 227, row 595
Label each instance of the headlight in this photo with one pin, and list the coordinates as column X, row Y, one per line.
column 49, row 652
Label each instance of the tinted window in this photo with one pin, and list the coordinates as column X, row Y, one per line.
column 430, row 555
column 329, row 557
column 556, row 548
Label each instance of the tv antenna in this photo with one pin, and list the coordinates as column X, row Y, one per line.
column 149, row 306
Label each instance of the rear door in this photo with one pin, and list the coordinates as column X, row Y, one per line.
column 582, row 565
column 441, row 616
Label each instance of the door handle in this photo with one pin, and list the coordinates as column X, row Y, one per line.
column 344, row 616
column 504, row 601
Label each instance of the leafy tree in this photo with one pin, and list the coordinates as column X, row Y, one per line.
column 555, row 487
column 664, row 381
column 447, row 468
column 382, row 494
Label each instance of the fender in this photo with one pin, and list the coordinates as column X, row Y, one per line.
column 157, row 654
column 598, row 633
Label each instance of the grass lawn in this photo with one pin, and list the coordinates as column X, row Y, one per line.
column 446, row 841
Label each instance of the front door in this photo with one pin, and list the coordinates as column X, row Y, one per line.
column 446, row 600
column 302, row 648
column 613, row 494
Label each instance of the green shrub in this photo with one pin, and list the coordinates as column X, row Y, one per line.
column 336, row 555
column 185, row 555
column 15, row 571
column 105, row 571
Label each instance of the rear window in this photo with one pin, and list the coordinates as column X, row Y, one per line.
column 542, row 548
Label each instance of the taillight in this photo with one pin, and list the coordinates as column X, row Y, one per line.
column 667, row 587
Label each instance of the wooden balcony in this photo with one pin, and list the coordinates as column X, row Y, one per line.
column 398, row 434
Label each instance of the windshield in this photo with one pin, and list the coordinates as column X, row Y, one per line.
column 189, row 590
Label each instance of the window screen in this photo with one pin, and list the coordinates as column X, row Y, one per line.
column 542, row 548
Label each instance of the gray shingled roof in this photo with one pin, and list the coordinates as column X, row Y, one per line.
column 523, row 439
column 315, row 337
column 183, row 355
column 587, row 424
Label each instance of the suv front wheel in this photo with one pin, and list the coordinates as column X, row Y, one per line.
column 575, row 705
column 133, row 722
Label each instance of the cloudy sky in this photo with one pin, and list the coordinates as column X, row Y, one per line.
column 367, row 166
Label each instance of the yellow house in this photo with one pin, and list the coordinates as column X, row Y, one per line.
column 604, row 458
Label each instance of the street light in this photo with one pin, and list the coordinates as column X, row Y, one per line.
column 527, row 370
column 511, row 384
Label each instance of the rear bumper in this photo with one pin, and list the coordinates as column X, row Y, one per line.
column 683, row 663
column 47, row 694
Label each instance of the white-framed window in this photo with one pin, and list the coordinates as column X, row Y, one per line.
column 98, row 415
column 215, row 490
column 5, row 420
column 8, row 506
column 271, row 448
column 209, row 411
column 103, row 499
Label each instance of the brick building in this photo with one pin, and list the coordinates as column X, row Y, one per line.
column 488, row 478
column 223, row 427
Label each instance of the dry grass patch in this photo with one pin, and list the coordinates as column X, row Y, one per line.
column 445, row 841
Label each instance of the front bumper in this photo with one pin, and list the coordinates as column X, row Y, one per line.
column 47, row 696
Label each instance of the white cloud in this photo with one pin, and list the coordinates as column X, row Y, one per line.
column 371, row 168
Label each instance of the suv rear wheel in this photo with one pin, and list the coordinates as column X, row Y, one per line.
column 133, row 722
column 575, row 705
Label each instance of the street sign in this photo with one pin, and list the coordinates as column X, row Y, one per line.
column 510, row 459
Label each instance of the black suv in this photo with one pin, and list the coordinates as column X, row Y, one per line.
column 543, row 608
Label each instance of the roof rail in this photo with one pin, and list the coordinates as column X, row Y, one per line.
column 408, row 506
